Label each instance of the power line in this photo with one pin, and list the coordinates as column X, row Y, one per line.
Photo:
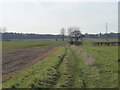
column 106, row 27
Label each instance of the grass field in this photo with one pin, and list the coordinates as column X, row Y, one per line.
column 71, row 66
column 29, row 44
column 106, row 65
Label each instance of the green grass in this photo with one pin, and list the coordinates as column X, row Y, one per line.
column 29, row 44
column 74, row 73
column 68, row 72
column 83, row 72
column 107, row 64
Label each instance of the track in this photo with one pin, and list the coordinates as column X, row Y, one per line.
column 74, row 69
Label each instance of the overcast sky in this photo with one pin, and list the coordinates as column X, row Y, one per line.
column 50, row 17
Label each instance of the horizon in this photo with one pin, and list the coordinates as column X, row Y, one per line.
column 58, row 33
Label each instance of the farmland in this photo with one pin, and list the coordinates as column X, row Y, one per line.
column 55, row 64
column 19, row 55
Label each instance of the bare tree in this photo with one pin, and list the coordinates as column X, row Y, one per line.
column 70, row 34
column 75, row 33
column 63, row 33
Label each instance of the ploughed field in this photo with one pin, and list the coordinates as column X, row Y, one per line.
column 59, row 65
column 19, row 55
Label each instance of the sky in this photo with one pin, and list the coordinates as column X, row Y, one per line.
column 50, row 17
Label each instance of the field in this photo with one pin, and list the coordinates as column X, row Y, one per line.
column 55, row 64
column 19, row 55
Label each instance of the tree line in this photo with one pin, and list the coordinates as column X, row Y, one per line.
column 21, row 36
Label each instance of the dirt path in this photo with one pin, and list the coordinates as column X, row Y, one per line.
column 14, row 61
column 88, row 72
column 86, row 57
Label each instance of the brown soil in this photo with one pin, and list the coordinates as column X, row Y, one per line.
column 13, row 61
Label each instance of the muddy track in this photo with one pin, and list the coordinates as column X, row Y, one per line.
column 16, row 60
